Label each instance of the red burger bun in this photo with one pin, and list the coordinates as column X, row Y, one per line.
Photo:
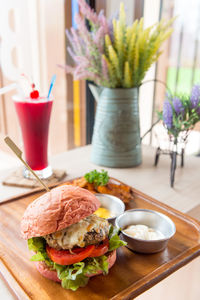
column 56, row 210
column 44, row 271
column 52, row 275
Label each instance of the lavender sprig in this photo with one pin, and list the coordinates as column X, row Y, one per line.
column 195, row 98
column 88, row 12
column 168, row 114
column 178, row 106
column 181, row 113
column 87, row 46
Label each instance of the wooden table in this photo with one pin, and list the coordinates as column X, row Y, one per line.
column 155, row 182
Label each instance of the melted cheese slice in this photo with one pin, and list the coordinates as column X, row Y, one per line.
column 74, row 234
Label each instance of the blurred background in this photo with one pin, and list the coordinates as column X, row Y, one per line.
column 33, row 41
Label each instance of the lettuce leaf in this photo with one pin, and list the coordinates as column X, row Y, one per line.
column 114, row 239
column 73, row 284
column 94, row 264
column 38, row 245
column 74, row 276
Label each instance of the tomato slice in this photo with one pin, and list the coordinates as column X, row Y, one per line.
column 100, row 249
column 64, row 257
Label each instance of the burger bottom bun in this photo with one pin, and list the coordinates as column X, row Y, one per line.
column 52, row 275
column 44, row 270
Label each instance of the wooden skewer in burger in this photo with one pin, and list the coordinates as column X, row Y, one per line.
column 70, row 243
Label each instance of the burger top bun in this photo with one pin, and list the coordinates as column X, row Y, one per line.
column 57, row 209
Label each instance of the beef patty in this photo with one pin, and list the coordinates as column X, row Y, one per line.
column 88, row 231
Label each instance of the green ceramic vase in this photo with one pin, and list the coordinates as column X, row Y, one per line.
column 116, row 136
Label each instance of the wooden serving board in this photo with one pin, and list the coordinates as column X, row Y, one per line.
column 131, row 275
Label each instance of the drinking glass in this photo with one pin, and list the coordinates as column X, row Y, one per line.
column 34, row 116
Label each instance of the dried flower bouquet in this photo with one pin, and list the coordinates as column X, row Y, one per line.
column 110, row 53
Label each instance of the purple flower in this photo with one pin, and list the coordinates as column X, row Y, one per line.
column 195, row 98
column 168, row 114
column 103, row 22
column 71, row 53
column 88, row 12
column 178, row 106
column 86, row 47
column 99, row 39
column 67, row 68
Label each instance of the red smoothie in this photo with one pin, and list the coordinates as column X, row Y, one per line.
column 34, row 117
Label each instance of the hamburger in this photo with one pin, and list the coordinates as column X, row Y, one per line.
column 69, row 242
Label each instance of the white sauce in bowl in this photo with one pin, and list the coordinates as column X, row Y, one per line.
column 143, row 232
